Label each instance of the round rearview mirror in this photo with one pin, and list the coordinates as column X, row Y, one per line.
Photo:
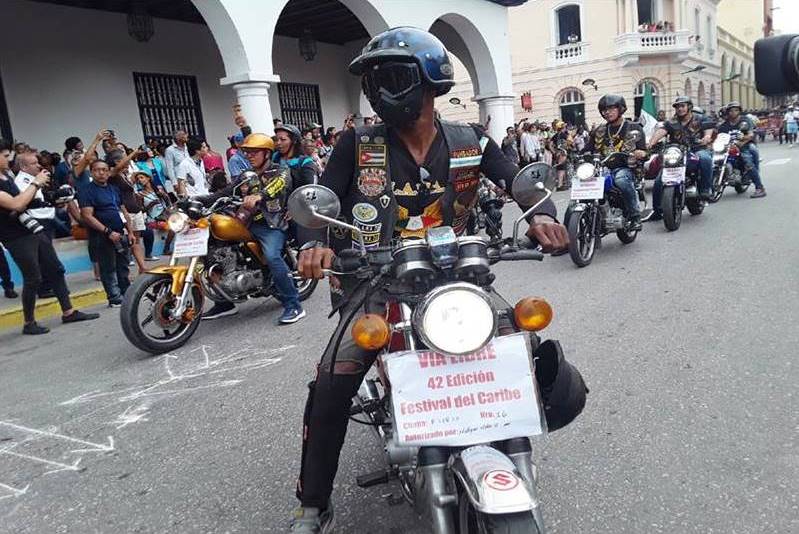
column 532, row 183
column 310, row 206
column 455, row 101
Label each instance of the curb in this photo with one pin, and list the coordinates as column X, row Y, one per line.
column 47, row 308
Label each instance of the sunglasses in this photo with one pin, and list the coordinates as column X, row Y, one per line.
column 393, row 78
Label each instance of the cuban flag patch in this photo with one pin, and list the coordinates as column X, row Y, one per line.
column 370, row 155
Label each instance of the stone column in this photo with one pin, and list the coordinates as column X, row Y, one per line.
column 629, row 27
column 252, row 94
column 500, row 109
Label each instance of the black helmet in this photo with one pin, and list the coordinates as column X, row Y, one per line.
column 735, row 104
column 407, row 44
column 396, row 66
column 698, row 110
column 683, row 100
column 609, row 101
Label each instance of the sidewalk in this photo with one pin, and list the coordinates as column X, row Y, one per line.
column 84, row 291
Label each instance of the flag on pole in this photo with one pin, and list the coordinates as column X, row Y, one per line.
column 648, row 112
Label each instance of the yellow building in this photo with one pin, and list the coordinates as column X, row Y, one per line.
column 741, row 23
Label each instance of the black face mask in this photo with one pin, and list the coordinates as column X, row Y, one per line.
column 396, row 92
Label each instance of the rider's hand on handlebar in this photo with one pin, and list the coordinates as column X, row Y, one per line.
column 550, row 234
column 250, row 201
column 313, row 260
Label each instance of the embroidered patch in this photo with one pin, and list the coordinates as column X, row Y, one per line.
column 338, row 233
column 407, row 191
column 465, row 153
column 465, row 180
column 372, row 155
column 370, row 233
column 385, row 200
column 273, row 206
column 379, row 139
column 364, row 139
column 372, row 182
column 364, row 212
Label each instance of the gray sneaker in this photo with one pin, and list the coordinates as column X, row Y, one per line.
column 310, row 521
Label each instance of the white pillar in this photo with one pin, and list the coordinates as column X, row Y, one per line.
column 629, row 27
column 500, row 109
column 253, row 96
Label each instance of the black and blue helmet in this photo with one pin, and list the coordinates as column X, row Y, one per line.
column 407, row 44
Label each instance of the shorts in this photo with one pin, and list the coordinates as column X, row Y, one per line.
column 137, row 222
column 791, row 128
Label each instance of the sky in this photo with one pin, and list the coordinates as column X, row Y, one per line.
column 786, row 18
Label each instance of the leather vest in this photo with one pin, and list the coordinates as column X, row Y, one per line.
column 371, row 204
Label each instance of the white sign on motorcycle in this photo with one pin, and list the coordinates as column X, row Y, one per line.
column 673, row 175
column 192, row 242
column 591, row 188
column 446, row 400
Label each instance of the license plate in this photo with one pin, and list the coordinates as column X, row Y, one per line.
column 673, row 175
column 453, row 401
column 191, row 243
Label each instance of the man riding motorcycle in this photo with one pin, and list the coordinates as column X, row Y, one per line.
column 694, row 131
column 620, row 135
column 394, row 180
column 734, row 120
column 265, row 200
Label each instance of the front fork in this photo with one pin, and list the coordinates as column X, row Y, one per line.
column 182, row 299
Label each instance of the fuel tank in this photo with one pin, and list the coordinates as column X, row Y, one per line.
column 227, row 228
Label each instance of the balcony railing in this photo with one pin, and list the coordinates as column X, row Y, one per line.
column 652, row 43
column 567, row 54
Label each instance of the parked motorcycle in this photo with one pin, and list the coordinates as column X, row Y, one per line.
column 164, row 306
column 728, row 165
column 680, row 175
column 487, row 213
column 454, row 402
column 597, row 207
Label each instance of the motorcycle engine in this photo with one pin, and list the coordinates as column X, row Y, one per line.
column 236, row 279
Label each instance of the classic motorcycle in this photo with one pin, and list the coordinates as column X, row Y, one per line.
column 487, row 213
column 597, row 207
column 727, row 165
column 163, row 307
column 454, row 402
column 680, row 175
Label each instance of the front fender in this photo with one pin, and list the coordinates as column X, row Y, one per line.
column 177, row 272
column 491, row 481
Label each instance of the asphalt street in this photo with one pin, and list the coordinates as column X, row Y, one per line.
column 687, row 340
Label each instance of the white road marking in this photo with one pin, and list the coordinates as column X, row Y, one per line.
column 780, row 161
column 131, row 415
column 15, row 492
column 94, row 447
column 59, row 465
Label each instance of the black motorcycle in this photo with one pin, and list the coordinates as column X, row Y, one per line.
column 680, row 176
column 487, row 213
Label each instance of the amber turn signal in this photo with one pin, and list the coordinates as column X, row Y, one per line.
column 202, row 223
column 371, row 332
column 532, row 314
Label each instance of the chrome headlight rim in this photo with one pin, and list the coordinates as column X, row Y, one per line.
column 178, row 222
column 418, row 316
column 672, row 156
column 585, row 171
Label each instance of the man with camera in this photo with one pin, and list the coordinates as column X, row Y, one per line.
column 31, row 247
column 105, row 215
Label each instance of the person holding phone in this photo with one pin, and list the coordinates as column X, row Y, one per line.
column 105, row 215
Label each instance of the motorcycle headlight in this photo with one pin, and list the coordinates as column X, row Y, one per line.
column 178, row 222
column 456, row 319
column 585, row 171
column 672, row 156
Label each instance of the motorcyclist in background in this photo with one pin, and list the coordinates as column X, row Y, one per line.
column 734, row 120
column 694, row 132
column 394, row 180
column 620, row 135
column 265, row 199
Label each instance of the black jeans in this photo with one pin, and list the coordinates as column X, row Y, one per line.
column 36, row 258
column 5, row 271
column 328, row 407
column 114, row 269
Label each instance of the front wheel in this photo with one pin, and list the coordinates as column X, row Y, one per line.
column 741, row 188
column 473, row 522
column 582, row 238
column 671, row 206
column 146, row 319
column 719, row 183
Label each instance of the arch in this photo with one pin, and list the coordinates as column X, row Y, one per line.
column 687, row 87
column 464, row 39
column 658, row 91
column 712, row 103
column 700, row 94
column 571, row 102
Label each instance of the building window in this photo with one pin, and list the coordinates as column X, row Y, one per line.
column 572, row 107
column 567, row 19
column 700, row 95
column 5, row 121
column 688, row 88
column 638, row 96
column 168, row 103
column 646, row 12
column 696, row 23
column 299, row 104
column 709, row 35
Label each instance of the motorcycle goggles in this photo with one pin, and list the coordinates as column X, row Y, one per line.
column 393, row 79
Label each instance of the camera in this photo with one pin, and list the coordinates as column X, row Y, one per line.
column 62, row 195
column 777, row 65
column 27, row 220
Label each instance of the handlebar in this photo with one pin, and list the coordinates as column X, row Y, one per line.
column 521, row 255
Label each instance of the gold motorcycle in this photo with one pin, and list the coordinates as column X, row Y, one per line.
column 214, row 256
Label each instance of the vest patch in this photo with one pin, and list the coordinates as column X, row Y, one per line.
column 371, row 155
column 364, row 212
column 372, row 182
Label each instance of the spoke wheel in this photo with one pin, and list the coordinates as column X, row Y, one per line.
column 582, row 238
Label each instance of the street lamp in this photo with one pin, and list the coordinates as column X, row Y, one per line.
column 731, row 77
column 307, row 45
column 695, row 69
column 590, row 82
column 455, row 101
